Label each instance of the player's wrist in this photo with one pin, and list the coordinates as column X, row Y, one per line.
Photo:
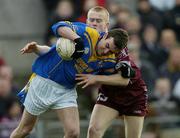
column 37, row 49
column 99, row 78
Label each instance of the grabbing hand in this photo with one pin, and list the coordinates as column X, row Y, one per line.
column 85, row 79
column 79, row 48
column 29, row 48
column 126, row 70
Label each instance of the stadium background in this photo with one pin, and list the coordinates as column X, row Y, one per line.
column 154, row 29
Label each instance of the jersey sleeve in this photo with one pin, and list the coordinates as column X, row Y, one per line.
column 106, row 67
column 77, row 27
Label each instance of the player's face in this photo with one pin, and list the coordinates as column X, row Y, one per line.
column 97, row 20
column 106, row 47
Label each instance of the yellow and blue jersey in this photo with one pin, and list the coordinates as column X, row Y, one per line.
column 50, row 65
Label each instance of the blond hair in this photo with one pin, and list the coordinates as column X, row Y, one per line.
column 101, row 10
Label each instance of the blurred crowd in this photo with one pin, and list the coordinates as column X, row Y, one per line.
column 154, row 45
column 10, row 109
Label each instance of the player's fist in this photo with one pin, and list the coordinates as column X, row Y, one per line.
column 126, row 70
column 29, row 48
column 79, row 48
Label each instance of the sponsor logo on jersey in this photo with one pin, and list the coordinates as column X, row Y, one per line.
column 86, row 51
column 81, row 66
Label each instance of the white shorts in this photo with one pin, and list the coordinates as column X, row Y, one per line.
column 44, row 94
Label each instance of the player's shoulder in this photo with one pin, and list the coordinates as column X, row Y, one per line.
column 79, row 23
column 87, row 28
column 123, row 55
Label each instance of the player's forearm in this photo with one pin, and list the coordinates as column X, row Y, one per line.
column 115, row 79
column 41, row 49
column 68, row 33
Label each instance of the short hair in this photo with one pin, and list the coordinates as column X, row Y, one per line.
column 120, row 37
column 100, row 9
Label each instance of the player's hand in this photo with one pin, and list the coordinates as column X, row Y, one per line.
column 79, row 48
column 126, row 70
column 29, row 48
column 85, row 79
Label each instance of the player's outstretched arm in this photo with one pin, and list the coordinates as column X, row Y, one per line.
column 89, row 79
column 33, row 47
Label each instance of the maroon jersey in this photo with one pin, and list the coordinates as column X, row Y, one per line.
column 134, row 94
